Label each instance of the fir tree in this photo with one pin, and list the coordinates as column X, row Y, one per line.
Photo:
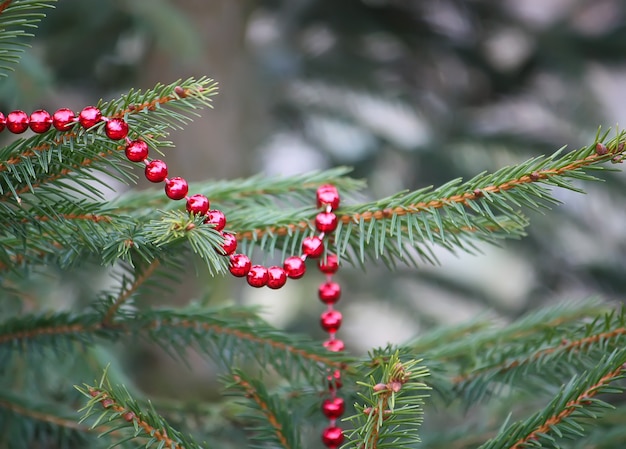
column 549, row 379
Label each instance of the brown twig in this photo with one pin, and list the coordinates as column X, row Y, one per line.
column 4, row 5
column 565, row 346
column 570, row 408
column 251, row 393
column 123, row 297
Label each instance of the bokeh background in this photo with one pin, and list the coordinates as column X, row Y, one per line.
column 410, row 93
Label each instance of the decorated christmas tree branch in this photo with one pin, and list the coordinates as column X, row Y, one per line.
column 575, row 402
column 279, row 429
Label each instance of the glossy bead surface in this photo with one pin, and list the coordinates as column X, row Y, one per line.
column 276, row 277
column 328, row 195
column 136, row 151
column 330, row 265
column 257, row 276
column 89, row 116
column 63, row 119
column 40, row 121
column 334, row 345
column 294, row 267
column 198, row 204
column 156, row 171
column 176, row 188
column 329, row 292
column 239, row 265
column 3, row 121
column 116, row 129
column 332, row 437
column 17, row 122
column 334, row 380
column 326, row 222
column 230, row 244
column 333, row 408
column 331, row 320
column 216, row 218
column 313, row 246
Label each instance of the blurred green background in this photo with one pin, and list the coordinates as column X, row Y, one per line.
column 410, row 93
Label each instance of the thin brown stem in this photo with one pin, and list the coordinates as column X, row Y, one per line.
column 123, row 297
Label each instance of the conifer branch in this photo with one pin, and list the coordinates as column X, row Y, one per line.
column 41, row 416
column 142, row 277
column 277, row 417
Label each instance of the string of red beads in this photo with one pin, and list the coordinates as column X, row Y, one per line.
column 177, row 188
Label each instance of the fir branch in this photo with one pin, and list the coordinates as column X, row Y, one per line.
column 115, row 404
column 392, row 411
column 279, row 430
column 575, row 403
column 140, row 279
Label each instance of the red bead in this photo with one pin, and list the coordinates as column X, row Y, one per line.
column 331, row 320
column 277, row 277
column 17, row 122
column 63, row 119
column 330, row 265
column 116, row 129
column 217, row 219
column 257, row 276
column 230, row 244
column 89, row 116
column 198, row 204
column 333, row 408
column 239, row 265
column 40, row 121
column 334, row 380
column 136, row 151
column 294, row 267
column 334, row 345
column 3, row 121
column 329, row 292
column 313, row 246
column 156, row 171
column 332, row 437
column 328, row 195
column 176, row 188
column 326, row 222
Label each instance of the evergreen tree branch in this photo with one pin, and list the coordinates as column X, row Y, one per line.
column 575, row 402
column 140, row 279
column 280, row 429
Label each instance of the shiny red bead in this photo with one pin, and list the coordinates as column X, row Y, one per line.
column 334, row 380
column 329, row 292
column 176, row 188
column 230, row 244
column 331, row 320
column 198, row 204
column 89, row 116
column 3, row 121
column 156, row 171
column 63, row 119
column 136, row 151
column 294, row 267
column 17, row 122
column 332, row 437
column 330, row 265
column 257, row 276
column 116, row 129
column 277, row 277
column 328, row 195
column 313, row 246
column 326, row 222
column 333, row 408
column 239, row 265
column 334, row 345
column 216, row 218
column 40, row 121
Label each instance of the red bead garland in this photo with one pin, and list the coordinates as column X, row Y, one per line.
column 274, row 277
